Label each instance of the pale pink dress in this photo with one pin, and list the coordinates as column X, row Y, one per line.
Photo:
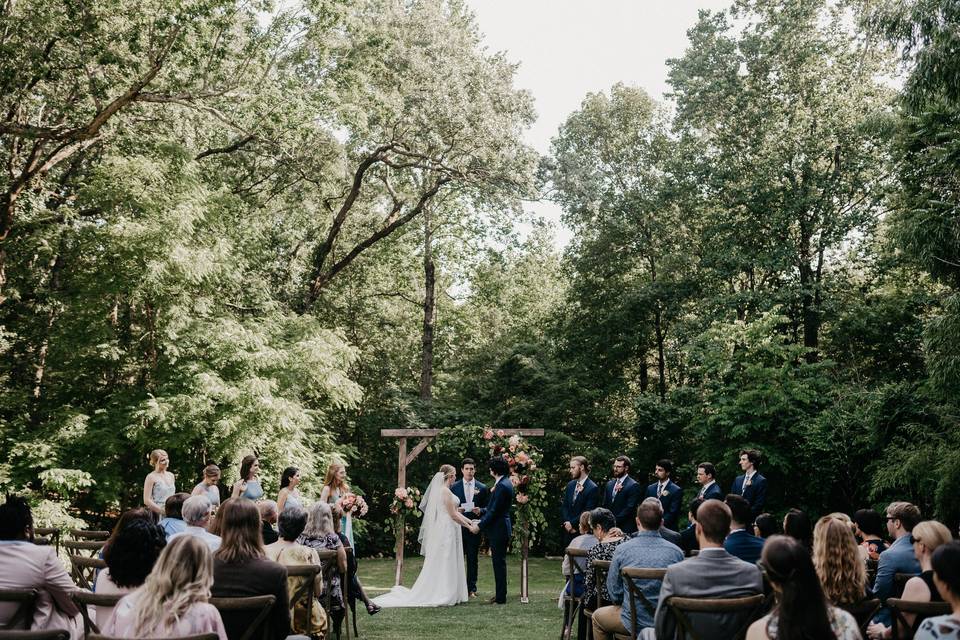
column 202, row 617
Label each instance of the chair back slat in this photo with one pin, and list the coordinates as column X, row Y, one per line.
column 52, row 534
column 600, row 570
column 863, row 612
column 86, row 599
column 46, row 634
column 630, row 574
column 199, row 636
column 259, row 604
column 84, row 570
column 920, row 610
column 25, row 599
column 306, row 592
column 750, row 606
column 89, row 548
column 89, row 534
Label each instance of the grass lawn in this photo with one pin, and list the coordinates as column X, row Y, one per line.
column 540, row 619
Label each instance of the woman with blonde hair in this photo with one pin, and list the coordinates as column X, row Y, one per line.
column 173, row 600
column 926, row 537
column 837, row 561
column 159, row 484
column 335, row 488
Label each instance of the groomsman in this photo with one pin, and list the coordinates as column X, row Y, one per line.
column 706, row 476
column 471, row 491
column 582, row 494
column 751, row 485
column 668, row 492
column 622, row 494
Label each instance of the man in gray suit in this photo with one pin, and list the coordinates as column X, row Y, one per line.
column 712, row 574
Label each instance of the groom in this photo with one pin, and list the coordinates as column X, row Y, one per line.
column 495, row 522
column 471, row 491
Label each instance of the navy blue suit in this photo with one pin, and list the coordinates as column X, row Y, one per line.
column 671, row 502
column 573, row 505
column 623, row 504
column 755, row 493
column 713, row 492
column 471, row 542
column 745, row 546
column 495, row 522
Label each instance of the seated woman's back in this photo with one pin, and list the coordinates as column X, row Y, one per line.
column 130, row 557
column 197, row 618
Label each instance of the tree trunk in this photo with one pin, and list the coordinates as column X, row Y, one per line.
column 810, row 312
column 644, row 374
column 661, row 360
column 429, row 307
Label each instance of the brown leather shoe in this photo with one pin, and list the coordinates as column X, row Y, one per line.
column 473, row 594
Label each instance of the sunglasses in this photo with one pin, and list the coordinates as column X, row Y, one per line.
column 915, row 540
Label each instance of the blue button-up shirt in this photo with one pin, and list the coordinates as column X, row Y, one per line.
column 648, row 550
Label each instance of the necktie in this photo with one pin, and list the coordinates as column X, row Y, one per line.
column 577, row 491
column 617, row 487
column 469, row 492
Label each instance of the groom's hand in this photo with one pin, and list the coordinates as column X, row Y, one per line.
column 476, row 511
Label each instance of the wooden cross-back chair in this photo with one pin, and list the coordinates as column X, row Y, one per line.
column 328, row 558
column 630, row 575
column 258, row 605
column 863, row 612
column 86, row 599
column 901, row 629
column 89, row 548
column 46, row 634
column 199, row 636
column 84, row 570
column 749, row 606
column 306, row 593
column 47, row 535
column 572, row 603
column 89, row 534
column 25, row 599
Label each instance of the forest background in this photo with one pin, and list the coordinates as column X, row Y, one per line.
column 231, row 227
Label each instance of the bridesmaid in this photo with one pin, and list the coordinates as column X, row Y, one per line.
column 248, row 486
column 208, row 486
column 159, row 483
column 289, row 496
column 335, row 487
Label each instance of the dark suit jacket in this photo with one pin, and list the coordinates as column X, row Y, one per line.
column 671, row 502
column 743, row 545
column 572, row 506
column 480, row 496
column 623, row 505
column 257, row 577
column 495, row 519
column 670, row 536
column 714, row 492
column 270, row 534
column 755, row 493
column 688, row 539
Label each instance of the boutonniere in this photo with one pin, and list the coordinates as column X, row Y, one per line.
column 664, row 493
column 748, row 482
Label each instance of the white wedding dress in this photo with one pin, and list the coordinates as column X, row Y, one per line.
column 443, row 579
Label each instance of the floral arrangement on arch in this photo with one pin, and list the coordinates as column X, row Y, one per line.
column 527, row 478
column 406, row 502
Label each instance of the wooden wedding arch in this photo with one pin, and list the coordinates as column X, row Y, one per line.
column 404, row 458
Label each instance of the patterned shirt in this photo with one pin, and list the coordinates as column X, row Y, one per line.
column 647, row 550
column 939, row 628
column 603, row 551
column 843, row 624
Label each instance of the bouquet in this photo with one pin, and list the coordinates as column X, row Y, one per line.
column 352, row 503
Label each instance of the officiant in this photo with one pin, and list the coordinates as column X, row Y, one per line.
column 473, row 496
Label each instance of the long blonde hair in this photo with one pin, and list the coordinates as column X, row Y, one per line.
column 331, row 480
column 181, row 577
column 837, row 560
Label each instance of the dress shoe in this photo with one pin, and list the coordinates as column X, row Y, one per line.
column 473, row 594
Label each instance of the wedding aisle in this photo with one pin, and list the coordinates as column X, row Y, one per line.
column 538, row 620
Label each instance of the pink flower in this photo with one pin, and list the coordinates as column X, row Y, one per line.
column 523, row 498
column 512, row 448
column 400, row 493
column 523, row 458
column 514, row 441
column 515, row 480
column 500, row 433
column 408, row 503
column 487, row 434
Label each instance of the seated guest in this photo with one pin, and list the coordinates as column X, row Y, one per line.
column 713, row 573
column 287, row 552
column 796, row 524
column 752, row 486
column 688, row 537
column 320, row 535
column 196, row 513
column 130, row 558
column 173, row 600
column 927, row 537
column 268, row 518
column 868, row 525
column 946, row 577
column 707, row 477
column 172, row 521
column 647, row 550
column 740, row 542
column 356, row 589
column 765, row 526
column 669, row 535
column 24, row 565
column 586, row 541
column 668, row 492
column 602, row 521
column 836, row 558
column 128, row 516
column 902, row 517
column 802, row 610
column 240, row 570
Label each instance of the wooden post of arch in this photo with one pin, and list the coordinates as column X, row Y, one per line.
column 404, row 458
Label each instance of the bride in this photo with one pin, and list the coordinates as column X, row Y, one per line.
column 442, row 581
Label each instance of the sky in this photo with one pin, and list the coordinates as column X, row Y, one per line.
column 568, row 48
